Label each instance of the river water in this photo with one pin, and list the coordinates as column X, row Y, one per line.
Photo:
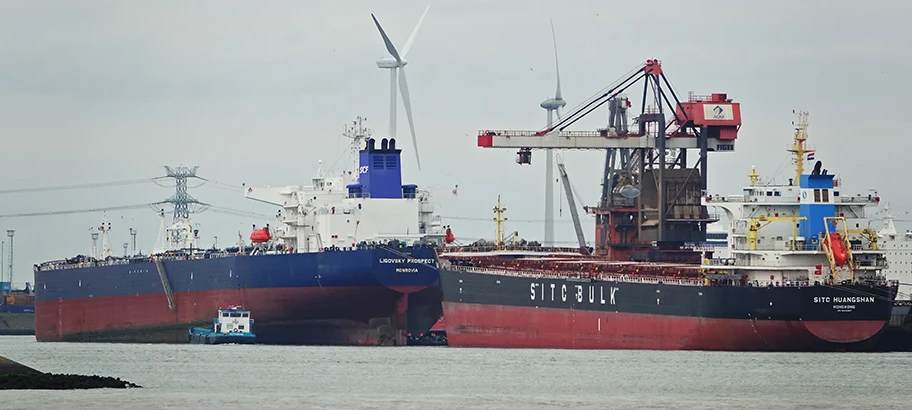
column 286, row 377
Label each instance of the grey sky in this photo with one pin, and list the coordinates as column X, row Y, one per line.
column 257, row 92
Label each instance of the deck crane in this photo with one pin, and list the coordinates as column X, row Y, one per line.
column 650, row 207
column 574, row 213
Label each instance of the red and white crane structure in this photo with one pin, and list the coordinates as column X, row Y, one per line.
column 650, row 207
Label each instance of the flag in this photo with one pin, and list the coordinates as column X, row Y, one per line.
column 811, row 156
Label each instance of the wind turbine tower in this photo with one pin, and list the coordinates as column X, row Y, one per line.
column 396, row 65
column 553, row 106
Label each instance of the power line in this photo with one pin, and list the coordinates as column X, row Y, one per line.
column 75, row 211
column 78, row 186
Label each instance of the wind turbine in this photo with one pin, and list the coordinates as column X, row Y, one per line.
column 397, row 64
column 553, row 106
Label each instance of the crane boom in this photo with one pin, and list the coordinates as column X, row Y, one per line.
column 565, row 181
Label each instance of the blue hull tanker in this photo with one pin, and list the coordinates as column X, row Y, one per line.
column 350, row 262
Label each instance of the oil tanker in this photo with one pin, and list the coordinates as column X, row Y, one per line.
column 352, row 261
column 802, row 272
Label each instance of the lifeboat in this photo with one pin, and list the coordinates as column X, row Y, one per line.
column 260, row 235
column 837, row 248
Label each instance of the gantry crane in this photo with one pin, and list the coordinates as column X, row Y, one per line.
column 649, row 206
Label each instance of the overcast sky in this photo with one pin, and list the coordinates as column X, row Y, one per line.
column 257, row 92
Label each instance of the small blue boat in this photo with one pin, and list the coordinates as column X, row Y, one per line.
column 233, row 325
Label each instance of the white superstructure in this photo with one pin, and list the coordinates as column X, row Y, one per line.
column 805, row 231
column 334, row 211
column 898, row 248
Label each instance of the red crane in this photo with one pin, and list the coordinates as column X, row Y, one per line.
column 650, row 208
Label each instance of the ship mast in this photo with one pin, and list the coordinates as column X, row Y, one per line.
column 357, row 133
column 106, row 250
column 754, row 176
column 499, row 236
column 799, row 147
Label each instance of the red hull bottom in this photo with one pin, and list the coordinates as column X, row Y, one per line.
column 472, row 325
column 343, row 316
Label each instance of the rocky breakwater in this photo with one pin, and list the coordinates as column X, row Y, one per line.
column 16, row 376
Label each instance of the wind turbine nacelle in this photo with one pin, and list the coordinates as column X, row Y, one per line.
column 388, row 62
column 553, row 103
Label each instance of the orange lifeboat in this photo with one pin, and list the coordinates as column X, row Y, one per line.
column 260, row 235
column 449, row 238
column 837, row 247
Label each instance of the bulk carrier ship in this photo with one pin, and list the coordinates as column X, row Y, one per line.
column 801, row 275
column 351, row 262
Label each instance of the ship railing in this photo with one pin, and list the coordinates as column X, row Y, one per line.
column 855, row 199
column 787, row 247
column 872, row 263
column 491, row 248
column 582, row 275
column 725, row 198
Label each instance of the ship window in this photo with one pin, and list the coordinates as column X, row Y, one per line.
column 777, row 193
column 816, row 195
column 235, row 315
column 835, row 193
column 240, row 327
column 769, row 193
column 245, row 315
column 826, row 195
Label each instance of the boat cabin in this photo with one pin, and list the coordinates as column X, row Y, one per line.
column 233, row 319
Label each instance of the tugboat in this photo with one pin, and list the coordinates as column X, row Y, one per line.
column 233, row 325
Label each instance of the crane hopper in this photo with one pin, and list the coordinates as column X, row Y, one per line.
column 574, row 213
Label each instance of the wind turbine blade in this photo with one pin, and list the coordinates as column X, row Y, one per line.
column 403, row 87
column 557, row 94
column 411, row 39
column 389, row 44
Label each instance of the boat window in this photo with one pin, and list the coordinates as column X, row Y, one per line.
column 235, row 315
column 835, row 193
column 816, row 195
column 777, row 193
column 826, row 195
column 769, row 193
column 225, row 314
column 241, row 327
column 246, row 314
